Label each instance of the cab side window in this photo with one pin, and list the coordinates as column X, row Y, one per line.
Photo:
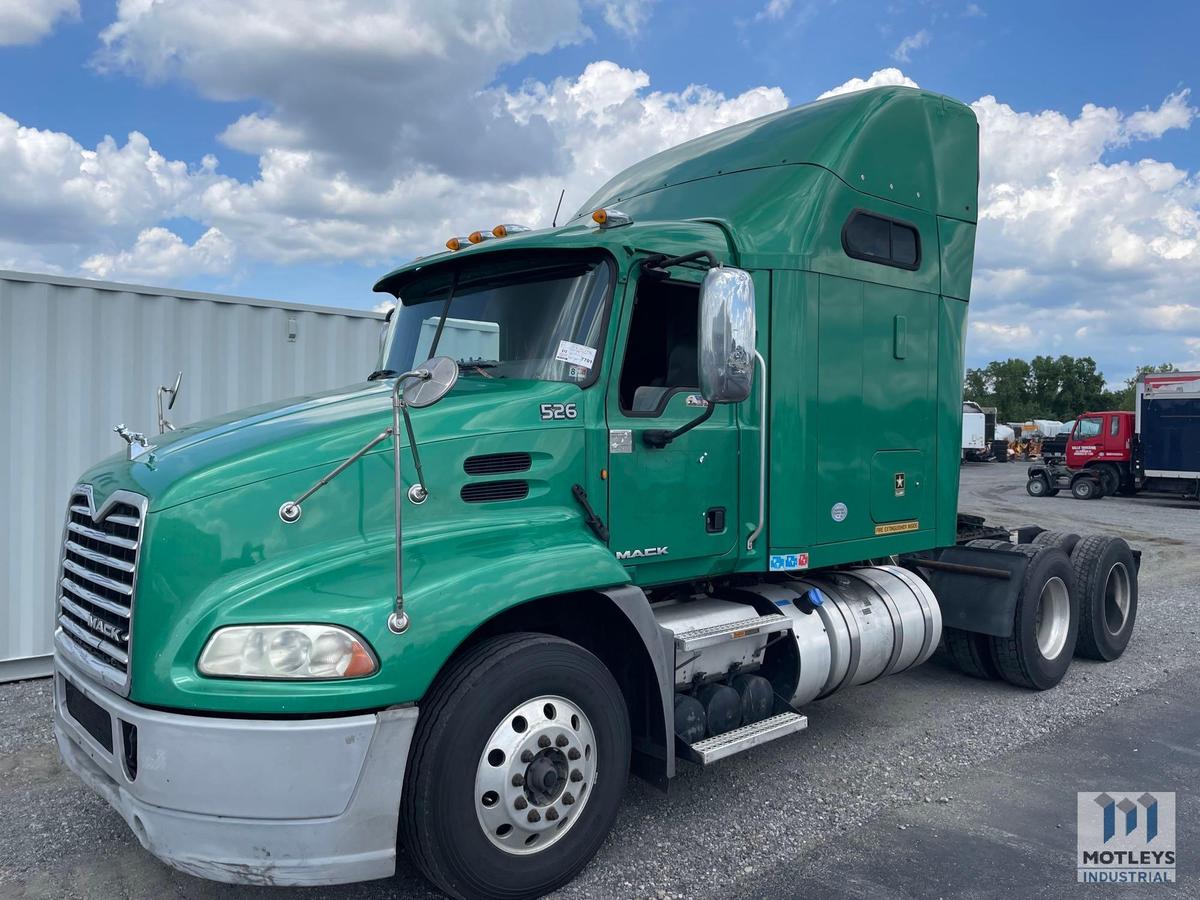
column 661, row 356
column 1114, row 426
column 881, row 240
column 1087, row 428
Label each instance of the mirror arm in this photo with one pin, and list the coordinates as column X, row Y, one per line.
column 660, row 437
column 412, row 443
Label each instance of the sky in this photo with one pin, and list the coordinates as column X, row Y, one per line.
column 299, row 150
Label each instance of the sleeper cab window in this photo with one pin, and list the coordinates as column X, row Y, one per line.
column 881, row 240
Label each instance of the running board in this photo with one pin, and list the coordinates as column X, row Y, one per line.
column 731, row 631
column 711, row 749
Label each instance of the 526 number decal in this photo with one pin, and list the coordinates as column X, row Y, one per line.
column 558, row 411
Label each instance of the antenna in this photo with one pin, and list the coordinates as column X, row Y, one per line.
column 558, row 209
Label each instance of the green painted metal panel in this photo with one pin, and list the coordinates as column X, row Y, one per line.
column 896, row 143
column 658, row 497
column 957, row 244
column 952, row 339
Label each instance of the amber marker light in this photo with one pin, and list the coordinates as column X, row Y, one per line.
column 453, row 244
column 610, row 218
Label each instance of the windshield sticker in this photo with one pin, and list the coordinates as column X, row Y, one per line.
column 576, row 354
column 579, row 373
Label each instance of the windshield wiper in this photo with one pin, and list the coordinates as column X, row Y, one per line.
column 478, row 363
column 382, row 373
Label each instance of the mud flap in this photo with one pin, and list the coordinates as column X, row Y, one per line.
column 983, row 600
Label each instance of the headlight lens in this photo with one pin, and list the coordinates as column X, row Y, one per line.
column 287, row 651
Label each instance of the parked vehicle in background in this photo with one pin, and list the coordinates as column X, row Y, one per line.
column 674, row 471
column 1156, row 447
column 975, row 442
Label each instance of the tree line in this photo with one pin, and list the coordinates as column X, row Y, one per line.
column 1049, row 388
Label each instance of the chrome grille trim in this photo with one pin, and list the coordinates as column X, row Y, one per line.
column 97, row 583
column 97, row 535
column 102, row 558
column 72, row 566
column 94, row 599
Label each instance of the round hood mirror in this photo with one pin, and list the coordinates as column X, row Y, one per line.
column 443, row 373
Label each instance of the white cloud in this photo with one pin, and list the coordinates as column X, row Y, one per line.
column 878, row 78
column 371, row 88
column 625, row 16
column 160, row 255
column 56, row 192
column 774, row 11
column 903, row 51
column 602, row 121
column 28, row 21
column 1002, row 334
column 1152, row 123
column 974, row 11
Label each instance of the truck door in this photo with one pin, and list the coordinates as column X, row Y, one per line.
column 668, row 506
column 1086, row 442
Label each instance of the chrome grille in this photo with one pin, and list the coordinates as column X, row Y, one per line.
column 97, row 581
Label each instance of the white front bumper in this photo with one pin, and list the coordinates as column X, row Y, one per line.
column 255, row 801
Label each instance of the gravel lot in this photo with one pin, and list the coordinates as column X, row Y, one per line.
column 870, row 754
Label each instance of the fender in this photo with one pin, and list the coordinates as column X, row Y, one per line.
column 659, row 645
column 455, row 582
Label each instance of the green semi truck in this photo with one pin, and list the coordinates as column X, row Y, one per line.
column 622, row 493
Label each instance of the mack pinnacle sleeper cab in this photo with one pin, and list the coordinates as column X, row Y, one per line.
column 622, row 494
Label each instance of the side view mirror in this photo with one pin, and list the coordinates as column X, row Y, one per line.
column 727, row 329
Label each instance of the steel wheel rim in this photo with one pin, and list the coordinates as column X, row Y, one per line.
column 1116, row 597
column 535, row 775
column 1053, row 617
column 1039, row 485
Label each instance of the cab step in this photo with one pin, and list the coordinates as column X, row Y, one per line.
column 711, row 749
column 731, row 631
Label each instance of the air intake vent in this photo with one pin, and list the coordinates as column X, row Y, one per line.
column 491, row 491
column 497, row 463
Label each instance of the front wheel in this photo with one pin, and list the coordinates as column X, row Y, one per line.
column 1084, row 487
column 1110, row 478
column 517, row 770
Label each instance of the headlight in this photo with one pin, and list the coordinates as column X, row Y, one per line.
column 287, row 651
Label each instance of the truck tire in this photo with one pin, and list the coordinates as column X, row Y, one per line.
column 1064, row 540
column 1084, row 487
column 1038, row 652
column 1037, row 486
column 1110, row 478
column 1106, row 581
column 517, row 768
column 970, row 652
column 991, row 544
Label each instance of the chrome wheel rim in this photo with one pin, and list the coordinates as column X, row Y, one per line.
column 1053, row 617
column 1116, row 597
column 535, row 775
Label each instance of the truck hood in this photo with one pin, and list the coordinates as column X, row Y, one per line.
column 315, row 431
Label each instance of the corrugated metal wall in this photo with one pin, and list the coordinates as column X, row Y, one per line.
column 77, row 357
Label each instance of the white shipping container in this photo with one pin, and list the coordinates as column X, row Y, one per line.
column 78, row 357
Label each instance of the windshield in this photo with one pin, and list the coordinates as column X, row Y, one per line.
column 529, row 316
